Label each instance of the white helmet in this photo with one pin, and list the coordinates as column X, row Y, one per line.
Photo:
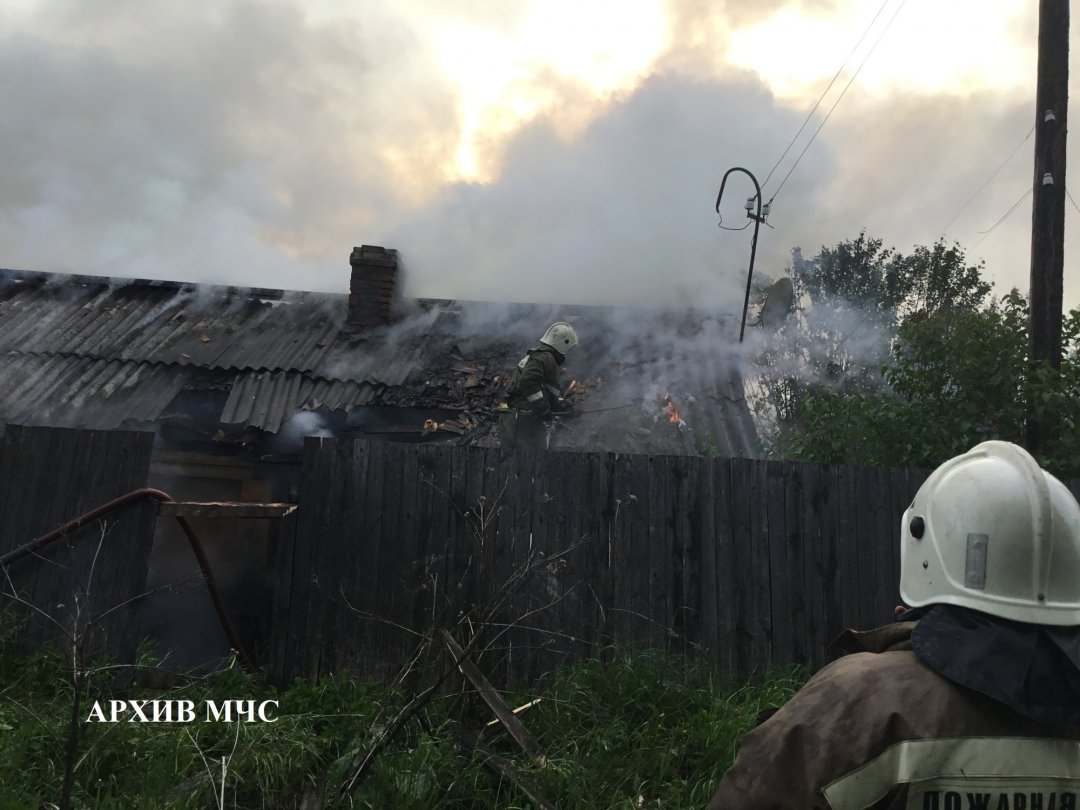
column 992, row 531
column 560, row 336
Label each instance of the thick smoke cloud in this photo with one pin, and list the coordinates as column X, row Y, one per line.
column 621, row 214
column 256, row 143
column 239, row 145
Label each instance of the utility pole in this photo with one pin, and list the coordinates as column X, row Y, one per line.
column 1048, row 208
column 759, row 216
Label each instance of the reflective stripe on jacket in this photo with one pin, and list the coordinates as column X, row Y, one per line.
column 534, row 384
column 881, row 730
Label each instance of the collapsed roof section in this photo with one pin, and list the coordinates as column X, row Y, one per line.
column 83, row 351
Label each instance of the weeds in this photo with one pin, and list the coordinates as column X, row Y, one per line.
column 644, row 731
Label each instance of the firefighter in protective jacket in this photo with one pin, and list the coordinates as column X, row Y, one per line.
column 971, row 699
column 534, row 396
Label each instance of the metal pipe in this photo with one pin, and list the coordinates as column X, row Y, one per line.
column 196, row 547
column 753, row 242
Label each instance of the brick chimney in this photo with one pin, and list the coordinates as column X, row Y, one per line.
column 373, row 288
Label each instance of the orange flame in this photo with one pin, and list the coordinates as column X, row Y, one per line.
column 670, row 411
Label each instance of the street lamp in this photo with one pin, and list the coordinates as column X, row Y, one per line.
column 756, row 212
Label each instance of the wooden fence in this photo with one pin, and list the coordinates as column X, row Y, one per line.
column 750, row 562
column 82, row 585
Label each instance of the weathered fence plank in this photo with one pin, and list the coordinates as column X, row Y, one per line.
column 753, row 562
column 89, row 582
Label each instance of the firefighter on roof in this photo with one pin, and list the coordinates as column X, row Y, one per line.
column 971, row 698
column 534, row 396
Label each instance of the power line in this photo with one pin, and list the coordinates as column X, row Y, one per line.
column 821, row 98
column 1004, row 217
column 987, row 182
column 839, row 99
column 1072, row 201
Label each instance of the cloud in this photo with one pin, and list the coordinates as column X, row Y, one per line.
column 248, row 132
column 257, row 142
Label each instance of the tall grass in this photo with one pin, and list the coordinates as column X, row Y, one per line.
column 643, row 731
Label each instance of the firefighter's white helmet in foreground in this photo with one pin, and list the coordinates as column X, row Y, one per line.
column 560, row 336
column 992, row 531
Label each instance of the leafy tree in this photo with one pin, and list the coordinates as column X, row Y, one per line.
column 851, row 301
column 957, row 376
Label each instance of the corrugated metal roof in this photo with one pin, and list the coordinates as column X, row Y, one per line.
column 127, row 348
column 266, row 399
column 213, row 327
column 85, row 392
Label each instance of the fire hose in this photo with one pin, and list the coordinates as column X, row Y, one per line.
column 196, row 547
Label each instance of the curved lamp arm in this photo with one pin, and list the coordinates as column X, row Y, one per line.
column 753, row 244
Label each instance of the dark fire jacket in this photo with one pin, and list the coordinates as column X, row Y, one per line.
column 879, row 729
column 534, row 383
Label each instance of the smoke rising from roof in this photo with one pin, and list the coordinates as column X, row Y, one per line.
column 621, row 214
column 256, row 143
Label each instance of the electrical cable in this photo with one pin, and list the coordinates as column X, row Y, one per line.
column 821, row 98
column 987, row 182
column 839, row 99
column 1067, row 194
column 1004, row 217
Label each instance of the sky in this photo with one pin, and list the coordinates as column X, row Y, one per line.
column 563, row 151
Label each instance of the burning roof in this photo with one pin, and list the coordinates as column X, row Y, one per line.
column 96, row 352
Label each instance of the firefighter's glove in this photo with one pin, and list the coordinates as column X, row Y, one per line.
column 564, row 407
